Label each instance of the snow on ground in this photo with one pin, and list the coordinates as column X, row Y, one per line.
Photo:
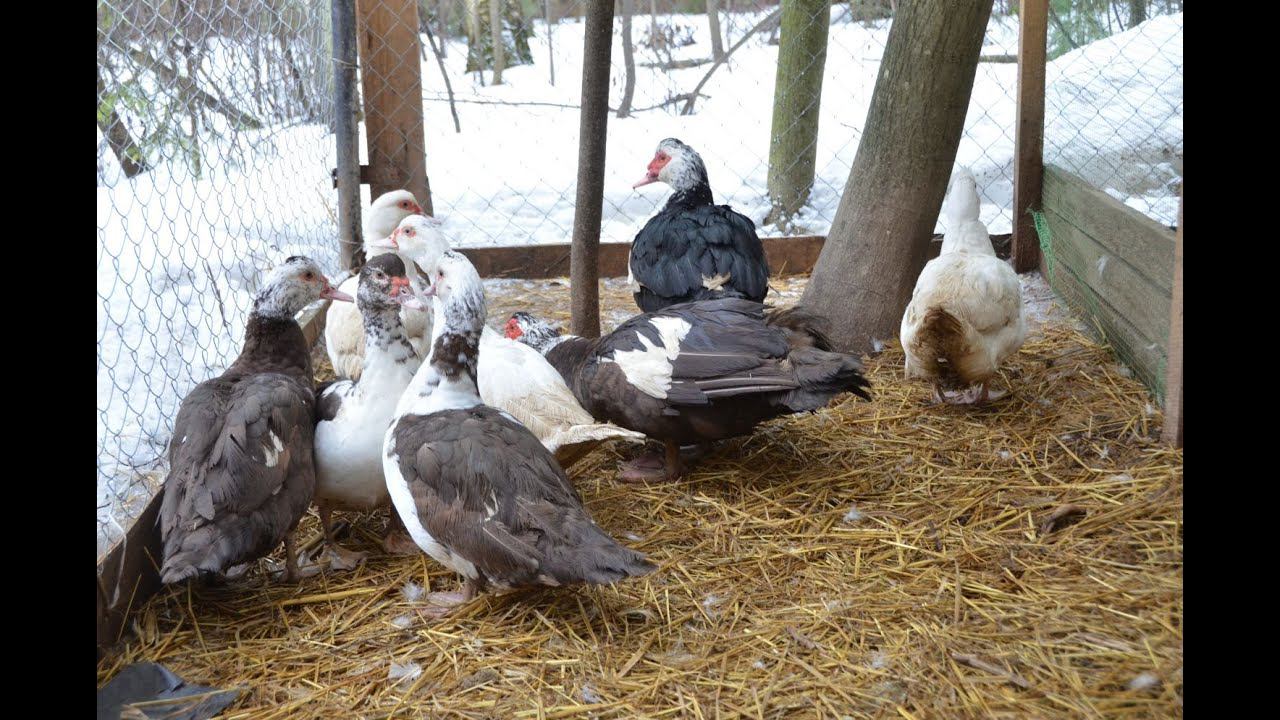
column 179, row 257
column 520, row 163
column 1113, row 115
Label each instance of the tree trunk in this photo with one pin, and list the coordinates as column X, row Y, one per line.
column 521, row 31
column 300, row 87
column 797, row 95
column 1137, row 12
column 880, row 235
column 551, row 52
column 866, row 10
column 713, row 19
column 628, row 60
column 593, row 126
column 444, row 73
column 653, row 23
column 475, row 45
column 193, row 108
column 117, row 134
column 499, row 49
column 442, row 25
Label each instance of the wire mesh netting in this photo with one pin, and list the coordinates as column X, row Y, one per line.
column 1113, row 99
column 216, row 145
column 214, row 151
column 503, row 154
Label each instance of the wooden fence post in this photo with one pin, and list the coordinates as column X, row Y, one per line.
column 1028, row 170
column 346, row 130
column 584, row 271
column 391, row 77
column 1173, row 377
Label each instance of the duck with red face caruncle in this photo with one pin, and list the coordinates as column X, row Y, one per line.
column 693, row 249
column 697, row 372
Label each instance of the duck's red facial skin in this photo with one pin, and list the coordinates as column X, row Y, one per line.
column 410, row 206
column 513, row 330
column 659, row 161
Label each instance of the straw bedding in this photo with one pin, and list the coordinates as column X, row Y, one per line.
column 883, row 559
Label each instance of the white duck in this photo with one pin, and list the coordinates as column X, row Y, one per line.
column 354, row 415
column 343, row 330
column 965, row 316
column 513, row 376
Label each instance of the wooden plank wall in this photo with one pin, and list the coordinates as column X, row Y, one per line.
column 1114, row 266
column 1173, row 380
column 128, row 575
column 786, row 256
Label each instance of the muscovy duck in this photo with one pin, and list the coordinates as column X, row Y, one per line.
column 698, row 372
column 693, row 249
column 343, row 329
column 966, row 315
column 353, row 415
column 241, row 470
column 477, row 491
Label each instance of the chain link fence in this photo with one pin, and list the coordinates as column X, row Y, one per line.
column 1113, row 99
column 503, row 154
column 214, row 149
column 216, row 142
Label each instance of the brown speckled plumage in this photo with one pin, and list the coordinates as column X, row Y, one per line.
column 241, row 465
column 487, row 490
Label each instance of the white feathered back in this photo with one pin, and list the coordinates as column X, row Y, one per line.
column 966, row 309
column 965, row 232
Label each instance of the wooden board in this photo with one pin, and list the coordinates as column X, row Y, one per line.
column 1143, row 303
column 312, row 318
column 1144, row 244
column 1173, row 378
column 1114, row 266
column 391, row 77
column 1144, row 357
column 786, row 256
column 1028, row 169
column 128, row 575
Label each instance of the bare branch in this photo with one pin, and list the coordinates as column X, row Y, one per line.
column 770, row 20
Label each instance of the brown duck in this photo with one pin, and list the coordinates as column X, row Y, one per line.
column 241, row 469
